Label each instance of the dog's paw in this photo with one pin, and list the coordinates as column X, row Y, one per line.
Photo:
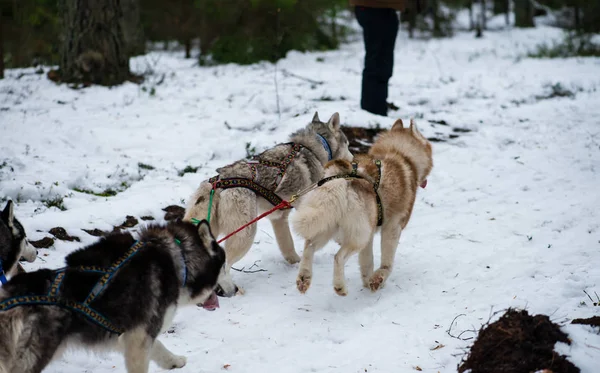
column 376, row 282
column 176, row 361
column 303, row 283
column 341, row 290
column 292, row 259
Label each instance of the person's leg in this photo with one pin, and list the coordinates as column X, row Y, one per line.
column 380, row 27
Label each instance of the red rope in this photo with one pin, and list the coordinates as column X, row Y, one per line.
column 283, row 204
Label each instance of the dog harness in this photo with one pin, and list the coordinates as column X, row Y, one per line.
column 267, row 193
column 2, row 274
column 354, row 175
column 53, row 298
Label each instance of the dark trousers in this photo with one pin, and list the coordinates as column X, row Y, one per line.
column 380, row 27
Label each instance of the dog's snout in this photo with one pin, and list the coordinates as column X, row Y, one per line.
column 236, row 289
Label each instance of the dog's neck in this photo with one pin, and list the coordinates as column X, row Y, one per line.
column 326, row 146
column 411, row 151
column 317, row 144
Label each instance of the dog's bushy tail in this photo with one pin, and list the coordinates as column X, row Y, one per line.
column 197, row 206
column 321, row 210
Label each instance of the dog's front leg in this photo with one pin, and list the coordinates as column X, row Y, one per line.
column 165, row 358
column 390, row 235
column 136, row 345
column 284, row 238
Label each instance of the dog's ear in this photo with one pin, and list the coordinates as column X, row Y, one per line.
column 204, row 230
column 316, row 117
column 8, row 214
column 398, row 125
column 334, row 122
column 413, row 127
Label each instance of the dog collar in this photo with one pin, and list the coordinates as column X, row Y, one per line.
column 183, row 272
column 3, row 279
column 326, row 146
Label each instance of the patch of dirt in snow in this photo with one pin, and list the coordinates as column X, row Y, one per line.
column 516, row 343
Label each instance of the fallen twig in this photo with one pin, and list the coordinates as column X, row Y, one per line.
column 249, row 270
column 449, row 331
column 287, row 73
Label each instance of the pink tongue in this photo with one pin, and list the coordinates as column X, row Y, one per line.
column 212, row 303
column 424, row 184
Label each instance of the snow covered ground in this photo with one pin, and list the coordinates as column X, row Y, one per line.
column 510, row 217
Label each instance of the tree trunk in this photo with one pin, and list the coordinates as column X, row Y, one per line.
column 500, row 6
column 188, row 48
column 524, row 13
column 132, row 28
column 94, row 49
column 577, row 17
column 482, row 9
column 1, row 47
column 471, row 21
column 507, row 18
column 437, row 27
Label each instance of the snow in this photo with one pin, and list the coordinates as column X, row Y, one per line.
column 509, row 218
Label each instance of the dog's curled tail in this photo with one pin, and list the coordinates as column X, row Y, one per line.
column 197, row 206
column 321, row 210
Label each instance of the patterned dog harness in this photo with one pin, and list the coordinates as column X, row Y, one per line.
column 267, row 193
column 354, row 175
column 53, row 298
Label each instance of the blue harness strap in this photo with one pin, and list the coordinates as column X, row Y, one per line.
column 3, row 279
column 53, row 297
column 47, row 300
column 326, row 146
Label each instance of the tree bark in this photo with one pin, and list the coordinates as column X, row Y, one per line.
column 524, row 13
column 437, row 27
column 482, row 9
column 94, row 49
column 188, row 48
column 1, row 47
column 500, row 6
column 471, row 21
column 132, row 27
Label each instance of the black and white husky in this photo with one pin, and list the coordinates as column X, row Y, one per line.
column 119, row 293
column 13, row 244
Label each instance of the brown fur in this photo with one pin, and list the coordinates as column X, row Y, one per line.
column 347, row 211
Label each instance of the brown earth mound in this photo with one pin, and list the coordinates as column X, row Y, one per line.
column 518, row 343
column 360, row 138
column 593, row 321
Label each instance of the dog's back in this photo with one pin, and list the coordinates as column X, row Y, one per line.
column 138, row 295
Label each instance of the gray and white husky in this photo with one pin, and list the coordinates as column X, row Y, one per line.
column 13, row 243
column 316, row 144
column 117, row 293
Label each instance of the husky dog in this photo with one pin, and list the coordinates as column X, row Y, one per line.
column 13, row 244
column 350, row 209
column 118, row 293
column 302, row 159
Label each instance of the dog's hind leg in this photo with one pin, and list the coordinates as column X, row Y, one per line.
column 137, row 345
column 365, row 260
column 306, row 264
column 284, row 238
column 341, row 257
column 390, row 235
column 165, row 358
